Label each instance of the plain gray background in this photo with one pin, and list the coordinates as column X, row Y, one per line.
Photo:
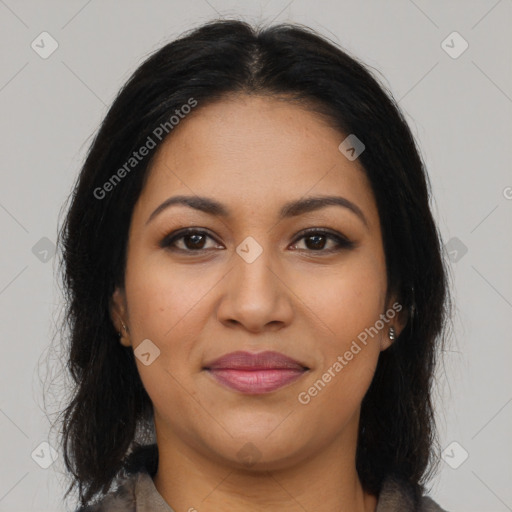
column 458, row 106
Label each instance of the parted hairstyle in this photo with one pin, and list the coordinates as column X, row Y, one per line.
column 108, row 418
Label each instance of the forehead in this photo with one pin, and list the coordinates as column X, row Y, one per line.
column 255, row 152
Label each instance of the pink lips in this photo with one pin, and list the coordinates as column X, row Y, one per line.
column 255, row 373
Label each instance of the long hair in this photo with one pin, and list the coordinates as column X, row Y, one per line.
column 110, row 413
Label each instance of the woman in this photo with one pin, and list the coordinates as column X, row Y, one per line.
column 257, row 293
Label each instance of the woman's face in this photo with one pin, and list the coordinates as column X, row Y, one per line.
column 252, row 281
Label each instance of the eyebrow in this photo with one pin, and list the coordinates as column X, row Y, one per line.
column 288, row 210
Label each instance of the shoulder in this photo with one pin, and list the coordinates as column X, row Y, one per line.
column 134, row 480
column 397, row 495
column 136, row 493
column 121, row 499
column 427, row 504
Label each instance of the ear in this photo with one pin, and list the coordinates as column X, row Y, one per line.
column 118, row 314
column 396, row 316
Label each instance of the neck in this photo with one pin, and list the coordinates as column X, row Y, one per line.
column 188, row 480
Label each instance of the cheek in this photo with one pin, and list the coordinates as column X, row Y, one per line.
column 169, row 306
column 347, row 298
column 164, row 298
column 346, row 305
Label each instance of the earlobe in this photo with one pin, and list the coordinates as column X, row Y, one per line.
column 118, row 315
column 388, row 337
column 398, row 318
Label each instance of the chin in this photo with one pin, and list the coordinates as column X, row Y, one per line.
column 261, row 449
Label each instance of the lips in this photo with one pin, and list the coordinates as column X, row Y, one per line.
column 252, row 373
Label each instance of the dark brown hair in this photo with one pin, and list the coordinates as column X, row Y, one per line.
column 110, row 413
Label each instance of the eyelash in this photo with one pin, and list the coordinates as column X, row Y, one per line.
column 342, row 241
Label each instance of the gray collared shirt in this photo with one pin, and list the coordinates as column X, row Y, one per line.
column 137, row 493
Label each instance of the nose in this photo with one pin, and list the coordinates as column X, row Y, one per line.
column 256, row 295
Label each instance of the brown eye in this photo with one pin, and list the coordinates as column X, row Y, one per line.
column 193, row 240
column 316, row 239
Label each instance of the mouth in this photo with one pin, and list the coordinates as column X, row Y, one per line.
column 252, row 373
